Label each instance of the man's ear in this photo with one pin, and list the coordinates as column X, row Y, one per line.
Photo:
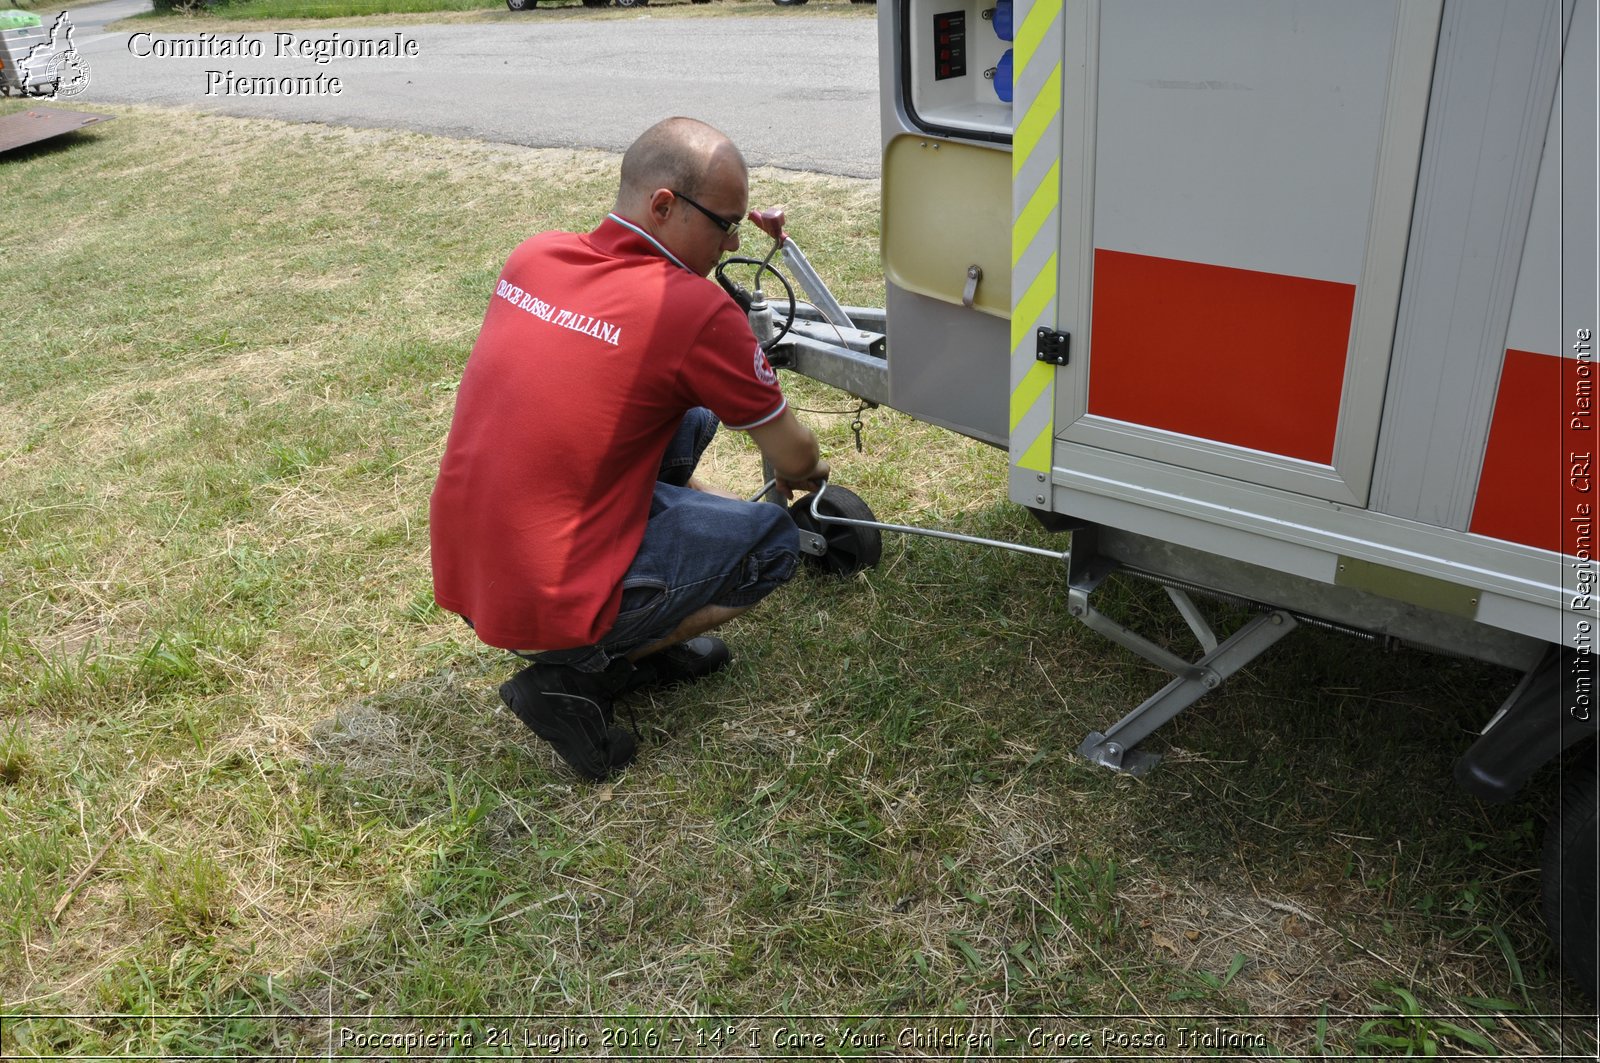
column 660, row 204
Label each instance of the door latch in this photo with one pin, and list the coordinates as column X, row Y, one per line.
column 970, row 292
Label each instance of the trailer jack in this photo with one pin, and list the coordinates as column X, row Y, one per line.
column 1087, row 571
column 1191, row 680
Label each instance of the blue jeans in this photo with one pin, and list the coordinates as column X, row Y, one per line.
column 698, row 550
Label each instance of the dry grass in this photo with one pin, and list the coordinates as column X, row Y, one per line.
column 248, row 770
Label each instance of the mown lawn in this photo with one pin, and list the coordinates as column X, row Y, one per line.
column 250, row 778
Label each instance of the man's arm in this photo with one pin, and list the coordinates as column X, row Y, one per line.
column 793, row 452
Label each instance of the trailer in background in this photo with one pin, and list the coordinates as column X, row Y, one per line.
column 36, row 61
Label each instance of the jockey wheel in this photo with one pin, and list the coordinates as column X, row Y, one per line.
column 837, row 549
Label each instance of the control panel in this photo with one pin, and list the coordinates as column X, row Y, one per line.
column 958, row 67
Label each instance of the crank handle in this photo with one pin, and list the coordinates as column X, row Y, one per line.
column 771, row 222
column 823, row 518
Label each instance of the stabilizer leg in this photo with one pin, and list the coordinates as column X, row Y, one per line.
column 1192, row 680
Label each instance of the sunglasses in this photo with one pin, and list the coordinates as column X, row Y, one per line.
column 729, row 226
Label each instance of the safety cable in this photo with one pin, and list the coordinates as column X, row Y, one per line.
column 763, row 266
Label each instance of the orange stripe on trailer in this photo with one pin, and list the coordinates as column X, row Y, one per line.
column 1237, row 356
column 1534, row 482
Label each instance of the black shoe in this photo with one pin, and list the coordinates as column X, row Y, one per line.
column 683, row 663
column 572, row 711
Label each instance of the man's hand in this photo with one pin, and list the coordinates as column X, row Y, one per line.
column 809, row 482
column 792, row 451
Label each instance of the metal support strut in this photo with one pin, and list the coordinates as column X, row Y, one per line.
column 1114, row 749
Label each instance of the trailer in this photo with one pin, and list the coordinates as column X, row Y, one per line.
column 1284, row 301
column 35, row 61
column 20, row 38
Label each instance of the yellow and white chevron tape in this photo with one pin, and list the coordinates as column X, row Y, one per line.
column 1035, row 226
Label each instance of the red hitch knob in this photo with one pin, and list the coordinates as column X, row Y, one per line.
column 771, row 222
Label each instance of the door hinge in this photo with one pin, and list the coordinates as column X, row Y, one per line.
column 1054, row 347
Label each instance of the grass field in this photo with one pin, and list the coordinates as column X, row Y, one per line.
column 249, row 772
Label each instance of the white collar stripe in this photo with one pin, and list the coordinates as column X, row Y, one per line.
column 658, row 245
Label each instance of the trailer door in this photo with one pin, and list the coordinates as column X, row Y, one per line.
column 1235, row 183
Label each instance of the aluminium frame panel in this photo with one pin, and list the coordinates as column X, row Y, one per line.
column 1487, row 130
column 1410, row 63
column 1520, row 587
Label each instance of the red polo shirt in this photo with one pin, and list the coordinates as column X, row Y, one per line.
column 593, row 348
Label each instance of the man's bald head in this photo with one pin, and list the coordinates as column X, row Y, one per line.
column 676, row 154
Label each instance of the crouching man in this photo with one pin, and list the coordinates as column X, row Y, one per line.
column 567, row 524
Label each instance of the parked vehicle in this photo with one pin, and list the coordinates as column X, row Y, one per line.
column 36, row 60
column 1283, row 301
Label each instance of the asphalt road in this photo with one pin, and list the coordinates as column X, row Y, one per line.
column 543, row 80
